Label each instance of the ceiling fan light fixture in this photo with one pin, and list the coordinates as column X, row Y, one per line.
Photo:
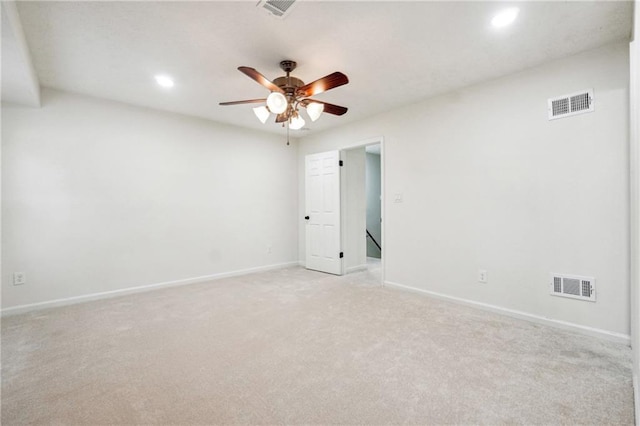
column 262, row 113
column 296, row 123
column 277, row 102
column 314, row 110
column 288, row 93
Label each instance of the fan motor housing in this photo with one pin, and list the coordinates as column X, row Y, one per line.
column 288, row 82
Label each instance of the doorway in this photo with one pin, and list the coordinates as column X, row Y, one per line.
column 373, row 194
column 362, row 207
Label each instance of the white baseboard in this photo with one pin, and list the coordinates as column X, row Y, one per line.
column 15, row 310
column 604, row 334
column 356, row 268
column 636, row 396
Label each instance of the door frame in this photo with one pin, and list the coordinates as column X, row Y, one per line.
column 361, row 144
column 634, row 205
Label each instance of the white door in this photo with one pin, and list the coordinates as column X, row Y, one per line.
column 322, row 201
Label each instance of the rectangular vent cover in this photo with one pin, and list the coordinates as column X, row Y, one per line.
column 572, row 104
column 573, row 286
column 277, row 8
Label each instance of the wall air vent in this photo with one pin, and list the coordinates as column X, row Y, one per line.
column 278, row 8
column 573, row 286
column 572, row 104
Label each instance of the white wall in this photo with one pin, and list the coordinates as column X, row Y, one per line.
column 489, row 183
column 354, row 209
column 374, row 211
column 100, row 196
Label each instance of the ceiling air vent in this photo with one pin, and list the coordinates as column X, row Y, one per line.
column 573, row 286
column 278, row 8
column 573, row 104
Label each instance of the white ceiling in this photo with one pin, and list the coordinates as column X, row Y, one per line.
column 395, row 53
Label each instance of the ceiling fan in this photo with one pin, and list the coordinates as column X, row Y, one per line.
column 289, row 93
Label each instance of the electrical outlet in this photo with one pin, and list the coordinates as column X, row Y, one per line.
column 19, row 278
column 482, row 276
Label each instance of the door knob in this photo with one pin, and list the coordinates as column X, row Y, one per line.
column 306, row 217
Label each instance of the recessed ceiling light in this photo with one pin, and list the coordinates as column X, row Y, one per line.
column 505, row 17
column 164, row 81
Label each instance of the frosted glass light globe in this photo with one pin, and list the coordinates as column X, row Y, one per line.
column 277, row 103
column 297, row 123
column 315, row 110
column 262, row 113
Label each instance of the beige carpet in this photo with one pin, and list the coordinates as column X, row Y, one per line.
column 293, row 346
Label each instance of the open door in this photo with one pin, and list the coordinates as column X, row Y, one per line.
column 322, row 203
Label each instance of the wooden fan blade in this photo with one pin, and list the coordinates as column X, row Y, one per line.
column 248, row 101
column 281, row 118
column 255, row 75
column 328, row 108
column 323, row 84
